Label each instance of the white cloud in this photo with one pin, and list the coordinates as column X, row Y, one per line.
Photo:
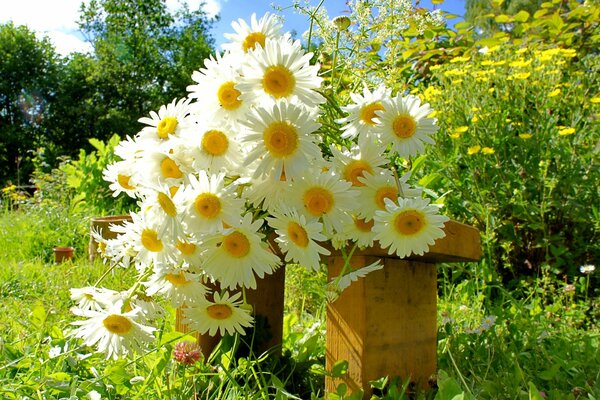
column 66, row 43
column 212, row 7
column 57, row 19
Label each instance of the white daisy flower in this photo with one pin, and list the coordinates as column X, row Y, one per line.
column 324, row 195
column 153, row 244
column 215, row 93
column 120, row 251
column 112, row 331
column 150, row 309
column 224, row 314
column 405, row 126
column 169, row 122
column 381, row 186
column 362, row 117
column 162, row 167
column 121, row 176
column 298, row 238
column 280, row 71
column 353, row 164
column 248, row 37
column 360, row 231
column 177, row 286
column 409, row 226
column 266, row 193
column 163, row 202
column 214, row 146
column 92, row 298
column 234, row 256
column 189, row 253
column 209, row 204
column 284, row 140
column 128, row 148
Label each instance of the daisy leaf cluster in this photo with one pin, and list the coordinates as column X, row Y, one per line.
column 235, row 179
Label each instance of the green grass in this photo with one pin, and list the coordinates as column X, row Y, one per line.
column 544, row 339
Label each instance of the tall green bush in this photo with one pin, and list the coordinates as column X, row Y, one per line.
column 517, row 150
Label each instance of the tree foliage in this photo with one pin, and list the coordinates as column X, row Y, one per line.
column 28, row 74
column 143, row 57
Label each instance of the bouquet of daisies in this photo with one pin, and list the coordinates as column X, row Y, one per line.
column 240, row 160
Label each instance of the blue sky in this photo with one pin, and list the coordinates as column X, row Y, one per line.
column 57, row 19
column 233, row 9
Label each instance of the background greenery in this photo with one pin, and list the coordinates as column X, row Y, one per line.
column 515, row 88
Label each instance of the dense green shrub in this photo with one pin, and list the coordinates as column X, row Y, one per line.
column 516, row 151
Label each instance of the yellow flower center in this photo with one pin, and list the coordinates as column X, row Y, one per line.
column 167, row 204
column 177, row 279
column 236, row 244
column 151, row 241
column 187, row 249
column 169, row 169
column 409, row 222
column 404, row 126
column 229, row 96
column 356, row 169
column 102, row 247
column 215, row 143
column 387, row 192
column 278, row 81
column 297, row 234
column 219, row 311
column 117, row 324
column 363, row 225
column 367, row 113
column 123, row 180
column 281, row 139
column 173, row 190
column 208, row 205
column 318, row 201
column 252, row 40
column 166, row 127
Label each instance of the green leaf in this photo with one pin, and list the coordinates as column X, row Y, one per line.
column 339, row 369
column 521, row 16
column 38, row 316
column 534, row 393
column 503, row 19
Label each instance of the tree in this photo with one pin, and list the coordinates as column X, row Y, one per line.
column 28, row 73
column 144, row 58
column 476, row 10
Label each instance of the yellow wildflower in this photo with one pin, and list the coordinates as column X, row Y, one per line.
column 460, row 59
column 554, row 93
column 525, row 136
column 522, row 50
column 454, row 72
column 520, row 63
column 521, row 75
column 491, row 90
column 570, row 53
column 488, row 150
column 457, row 132
column 473, row 149
column 564, row 131
column 487, row 62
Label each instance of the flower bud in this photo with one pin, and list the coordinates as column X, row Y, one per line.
column 341, row 22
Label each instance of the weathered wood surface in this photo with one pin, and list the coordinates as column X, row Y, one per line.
column 386, row 323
